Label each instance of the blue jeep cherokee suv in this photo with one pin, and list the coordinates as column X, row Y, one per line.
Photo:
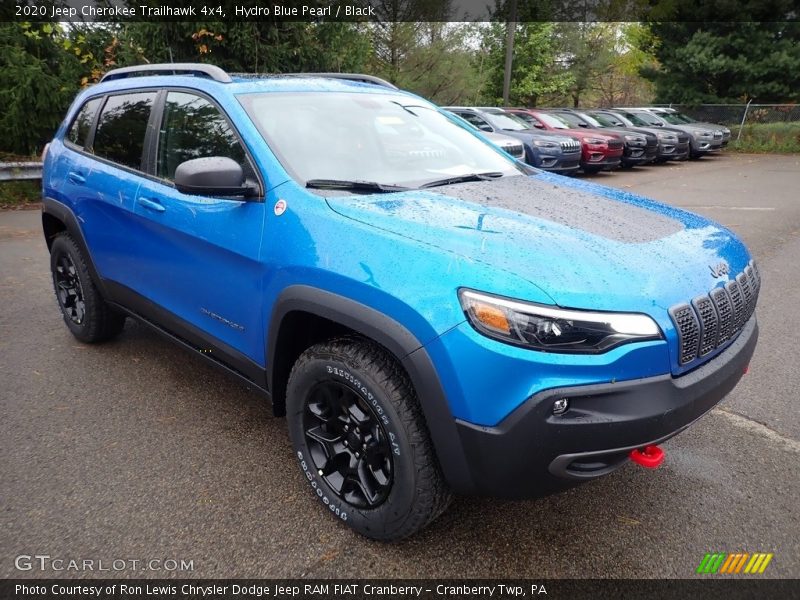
column 432, row 316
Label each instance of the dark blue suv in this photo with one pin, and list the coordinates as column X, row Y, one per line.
column 431, row 315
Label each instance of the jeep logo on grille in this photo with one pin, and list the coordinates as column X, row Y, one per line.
column 719, row 269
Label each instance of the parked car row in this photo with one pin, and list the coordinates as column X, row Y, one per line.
column 566, row 140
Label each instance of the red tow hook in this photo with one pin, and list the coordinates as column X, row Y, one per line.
column 650, row 457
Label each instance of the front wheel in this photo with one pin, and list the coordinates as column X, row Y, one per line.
column 360, row 437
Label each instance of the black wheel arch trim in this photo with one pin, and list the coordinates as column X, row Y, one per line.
column 403, row 345
column 64, row 214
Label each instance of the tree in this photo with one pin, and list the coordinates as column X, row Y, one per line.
column 607, row 67
column 434, row 60
column 533, row 75
column 40, row 73
column 718, row 62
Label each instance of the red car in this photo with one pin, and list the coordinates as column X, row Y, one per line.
column 599, row 151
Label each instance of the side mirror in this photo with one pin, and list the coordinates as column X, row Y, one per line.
column 582, row 124
column 486, row 128
column 538, row 125
column 212, row 176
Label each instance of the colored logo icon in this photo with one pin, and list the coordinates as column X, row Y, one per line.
column 734, row 563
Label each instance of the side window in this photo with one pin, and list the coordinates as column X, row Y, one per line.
column 193, row 127
column 79, row 130
column 477, row 121
column 122, row 126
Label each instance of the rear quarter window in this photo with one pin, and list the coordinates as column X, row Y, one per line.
column 122, row 127
column 82, row 124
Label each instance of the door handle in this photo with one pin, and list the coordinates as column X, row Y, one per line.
column 76, row 177
column 151, row 204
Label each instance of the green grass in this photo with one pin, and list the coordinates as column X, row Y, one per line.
column 18, row 194
column 767, row 137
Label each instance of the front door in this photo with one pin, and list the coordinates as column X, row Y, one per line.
column 198, row 255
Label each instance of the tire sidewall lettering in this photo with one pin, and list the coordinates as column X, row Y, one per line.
column 331, row 503
column 368, row 397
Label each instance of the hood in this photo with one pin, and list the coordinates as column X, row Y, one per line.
column 585, row 245
column 582, row 133
column 620, row 131
column 691, row 127
column 657, row 130
column 528, row 135
column 547, row 136
column 646, row 132
column 711, row 126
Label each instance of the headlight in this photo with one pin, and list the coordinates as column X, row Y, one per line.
column 702, row 134
column 545, row 144
column 635, row 138
column 667, row 137
column 553, row 329
column 591, row 140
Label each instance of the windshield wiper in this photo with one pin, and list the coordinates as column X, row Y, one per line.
column 356, row 185
column 462, row 179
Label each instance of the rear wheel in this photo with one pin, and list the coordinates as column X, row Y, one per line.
column 85, row 312
column 361, row 440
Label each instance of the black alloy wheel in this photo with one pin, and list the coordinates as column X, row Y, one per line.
column 348, row 446
column 69, row 290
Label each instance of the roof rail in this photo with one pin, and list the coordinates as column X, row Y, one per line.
column 349, row 76
column 195, row 69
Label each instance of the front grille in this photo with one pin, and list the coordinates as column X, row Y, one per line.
column 569, row 146
column 615, row 143
column 710, row 321
column 717, row 135
column 515, row 150
column 683, row 139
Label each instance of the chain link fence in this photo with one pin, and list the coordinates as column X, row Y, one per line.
column 756, row 127
column 740, row 114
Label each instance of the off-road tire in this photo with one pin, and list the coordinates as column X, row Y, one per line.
column 85, row 312
column 353, row 367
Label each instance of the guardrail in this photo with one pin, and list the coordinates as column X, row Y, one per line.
column 14, row 171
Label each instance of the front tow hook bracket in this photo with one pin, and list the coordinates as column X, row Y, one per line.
column 649, row 456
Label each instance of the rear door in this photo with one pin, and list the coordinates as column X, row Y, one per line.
column 198, row 256
column 104, row 177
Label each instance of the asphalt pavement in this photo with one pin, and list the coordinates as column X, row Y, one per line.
column 136, row 451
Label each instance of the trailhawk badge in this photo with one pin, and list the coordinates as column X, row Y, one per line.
column 717, row 270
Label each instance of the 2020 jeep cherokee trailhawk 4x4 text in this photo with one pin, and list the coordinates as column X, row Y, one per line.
column 432, row 316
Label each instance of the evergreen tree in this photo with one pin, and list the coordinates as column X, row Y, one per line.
column 735, row 61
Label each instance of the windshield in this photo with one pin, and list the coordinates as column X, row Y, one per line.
column 648, row 118
column 672, row 119
column 552, row 121
column 605, row 120
column 685, row 118
column 633, row 120
column 573, row 120
column 506, row 122
column 529, row 121
column 593, row 121
column 384, row 139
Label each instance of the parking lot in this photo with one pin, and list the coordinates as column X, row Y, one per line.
column 136, row 450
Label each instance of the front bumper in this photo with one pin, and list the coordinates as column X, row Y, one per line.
column 533, row 452
column 677, row 151
column 562, row 163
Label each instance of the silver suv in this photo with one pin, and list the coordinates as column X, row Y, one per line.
column 703, row 138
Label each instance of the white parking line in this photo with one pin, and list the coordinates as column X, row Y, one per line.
column 737, row 207
column 759, row 429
